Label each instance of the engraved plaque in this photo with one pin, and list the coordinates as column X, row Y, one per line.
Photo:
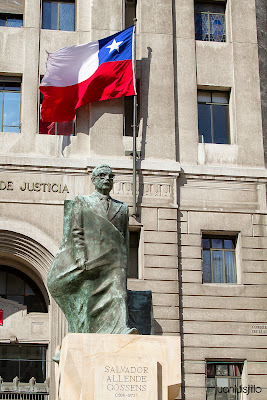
column 125, row 378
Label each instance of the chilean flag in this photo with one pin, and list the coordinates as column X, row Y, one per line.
column 79, row 75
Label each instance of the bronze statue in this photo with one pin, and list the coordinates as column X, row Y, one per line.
column 88, row 276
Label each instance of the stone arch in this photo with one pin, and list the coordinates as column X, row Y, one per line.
column 28, row 249
column 26, row 254
column 17, row 227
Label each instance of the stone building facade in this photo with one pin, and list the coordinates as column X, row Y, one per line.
column 198, row 194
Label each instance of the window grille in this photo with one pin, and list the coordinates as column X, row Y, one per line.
column 23, row 396
column 210, row 22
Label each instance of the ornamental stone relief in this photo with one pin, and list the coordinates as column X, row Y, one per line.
column 124, row 188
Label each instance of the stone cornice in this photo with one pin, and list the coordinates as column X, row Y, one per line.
column 123, row 166
column 224, row 172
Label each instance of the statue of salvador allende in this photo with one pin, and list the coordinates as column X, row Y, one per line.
column 87, row 278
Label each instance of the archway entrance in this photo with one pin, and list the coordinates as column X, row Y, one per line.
column 15, row 285
column 25, row 336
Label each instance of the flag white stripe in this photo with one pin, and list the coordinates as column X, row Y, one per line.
column 78, row 63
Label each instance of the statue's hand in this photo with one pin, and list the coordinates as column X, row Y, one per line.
column 81, row 264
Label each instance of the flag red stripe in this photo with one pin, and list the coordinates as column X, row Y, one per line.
column 111, row 80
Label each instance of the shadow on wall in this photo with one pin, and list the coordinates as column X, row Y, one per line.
column 11, row 307
column 144, row 87
column 66, row 141
column 157, row 328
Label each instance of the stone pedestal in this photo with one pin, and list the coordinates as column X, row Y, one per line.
column 119, row 367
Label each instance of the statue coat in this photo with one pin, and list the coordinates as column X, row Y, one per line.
column 94, row 297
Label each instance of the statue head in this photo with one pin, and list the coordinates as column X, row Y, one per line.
column 102, row 178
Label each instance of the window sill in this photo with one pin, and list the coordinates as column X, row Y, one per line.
column 211, row 42
column 56, row 30
column 223, row 284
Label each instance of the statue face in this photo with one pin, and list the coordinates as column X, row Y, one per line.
column 103, row 181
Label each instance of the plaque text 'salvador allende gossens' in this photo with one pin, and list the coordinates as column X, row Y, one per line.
column 128, row 379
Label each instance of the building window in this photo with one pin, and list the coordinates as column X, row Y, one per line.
column 213, row 117
column 210, row 21
column 223, row 381
column 133, row 254
column 11, row 13
column 23, row 361
column 17, row 286
column 11, row 20
column 10, row 104
column 58, row 15
column 219, row 259
column 130, row 12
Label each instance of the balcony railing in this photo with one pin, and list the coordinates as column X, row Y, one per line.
column 17, row 390
column 23, row 396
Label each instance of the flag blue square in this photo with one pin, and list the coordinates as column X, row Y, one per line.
column 117, row 47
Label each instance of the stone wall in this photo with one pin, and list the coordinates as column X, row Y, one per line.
column 220, row 321
column 261, row 13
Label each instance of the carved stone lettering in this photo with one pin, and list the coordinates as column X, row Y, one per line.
column 125, row 378
column 6, row 185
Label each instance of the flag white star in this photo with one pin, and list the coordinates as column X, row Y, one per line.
column 114, row 46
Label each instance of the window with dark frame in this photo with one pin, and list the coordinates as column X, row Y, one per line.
column 10, row 95
column 130, row 12
column 58, row 15
column 134, row 238
column 17, row 286
column 219, row 259
column 210, row 21
column 24, row 361
column 11, row 13
column 11, row 20
column 213, row 117
column 223, row 379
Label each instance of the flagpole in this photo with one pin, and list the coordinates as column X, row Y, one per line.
column 134, row 121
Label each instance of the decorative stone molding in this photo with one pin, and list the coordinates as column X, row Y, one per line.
column 27, row 249
column 146, row 189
